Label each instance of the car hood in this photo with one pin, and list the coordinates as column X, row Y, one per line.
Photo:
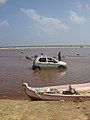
column 62, row 63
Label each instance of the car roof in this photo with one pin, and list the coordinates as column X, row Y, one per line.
column 44, row 57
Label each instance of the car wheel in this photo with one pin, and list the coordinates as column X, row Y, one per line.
column 37, row 68
column 61, row 67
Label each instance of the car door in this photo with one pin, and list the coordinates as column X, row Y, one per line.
column 42, row 62
column 52, row 63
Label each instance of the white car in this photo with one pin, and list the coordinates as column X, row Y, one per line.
column 47, row 62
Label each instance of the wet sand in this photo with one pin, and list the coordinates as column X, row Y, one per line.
column 14, row 67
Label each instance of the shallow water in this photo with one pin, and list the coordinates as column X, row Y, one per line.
column 14, row 68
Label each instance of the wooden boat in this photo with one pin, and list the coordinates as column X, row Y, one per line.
column 58, row 92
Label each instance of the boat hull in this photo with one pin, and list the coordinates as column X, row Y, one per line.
column 36, row 93
column 64, row 97
column 32, row 95
column 54, row 97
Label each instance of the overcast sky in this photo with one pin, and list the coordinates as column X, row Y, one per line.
column 44, row 22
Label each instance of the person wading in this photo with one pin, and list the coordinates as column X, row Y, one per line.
column 59, row 56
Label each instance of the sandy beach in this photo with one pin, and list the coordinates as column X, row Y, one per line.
column 44, row 110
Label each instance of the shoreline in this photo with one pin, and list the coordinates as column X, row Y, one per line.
column 43, row 46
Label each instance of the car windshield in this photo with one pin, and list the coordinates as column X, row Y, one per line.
column 42, row 60
column 55, row 61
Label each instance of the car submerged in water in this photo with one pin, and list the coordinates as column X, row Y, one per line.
column 48, row 63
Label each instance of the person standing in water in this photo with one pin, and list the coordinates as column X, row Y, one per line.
column 59, row 56
column 41, row 54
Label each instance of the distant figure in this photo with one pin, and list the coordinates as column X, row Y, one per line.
column 41, row 54
column 78, row 54
column 35, row 56
column 72, row 90
column 22, row 52
column 59, row 56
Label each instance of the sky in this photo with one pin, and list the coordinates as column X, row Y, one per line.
column 44, row 22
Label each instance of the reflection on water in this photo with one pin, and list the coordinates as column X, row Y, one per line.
column 49, row 75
